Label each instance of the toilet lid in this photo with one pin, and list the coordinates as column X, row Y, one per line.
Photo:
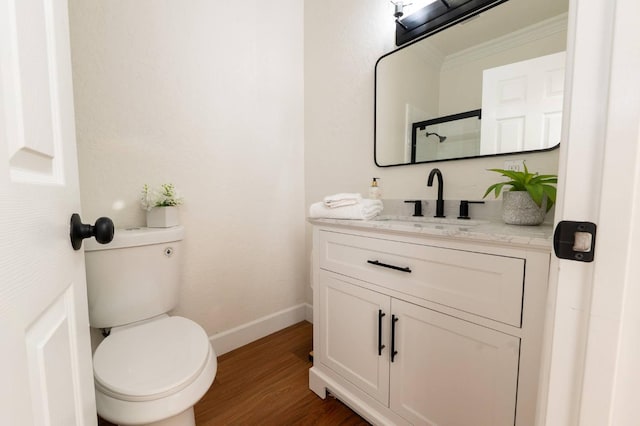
column 153, row 359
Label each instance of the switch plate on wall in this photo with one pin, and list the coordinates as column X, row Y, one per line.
column 514, row 165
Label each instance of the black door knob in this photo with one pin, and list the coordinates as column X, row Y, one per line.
column 103, row 231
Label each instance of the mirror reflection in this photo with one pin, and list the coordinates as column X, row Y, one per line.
column 460, row 132
column 505, row 65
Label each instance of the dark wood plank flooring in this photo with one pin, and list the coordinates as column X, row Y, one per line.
column 267, row 383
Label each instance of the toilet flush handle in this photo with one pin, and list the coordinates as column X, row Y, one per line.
column 103, row 231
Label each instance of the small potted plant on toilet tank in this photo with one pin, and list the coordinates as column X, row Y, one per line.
column 530, row 198
column 161, row 205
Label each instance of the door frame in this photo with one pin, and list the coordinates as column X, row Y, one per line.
column 589, row 373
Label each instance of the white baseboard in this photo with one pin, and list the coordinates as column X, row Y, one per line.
column 246, row 333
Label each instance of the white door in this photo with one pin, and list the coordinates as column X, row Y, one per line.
column 451, row 372
column 353, row 324
column 45, row 355
column 522, row 105
column 592, row 370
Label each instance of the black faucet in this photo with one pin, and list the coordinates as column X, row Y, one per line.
column 440, row 201
column 417, row 209
column 464, row 208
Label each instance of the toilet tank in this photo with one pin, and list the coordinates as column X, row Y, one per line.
column 135, row 277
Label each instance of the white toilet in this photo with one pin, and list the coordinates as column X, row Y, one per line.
column 152, row 368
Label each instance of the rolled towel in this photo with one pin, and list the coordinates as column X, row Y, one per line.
column 342, row 199
column 364, row 210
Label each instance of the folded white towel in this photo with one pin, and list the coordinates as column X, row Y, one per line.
column 365, row 209
column 342, row 199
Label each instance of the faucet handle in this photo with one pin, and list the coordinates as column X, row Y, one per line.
column 417, row 209
column 464, row 208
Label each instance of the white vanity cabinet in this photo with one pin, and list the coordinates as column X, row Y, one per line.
column 427, row 330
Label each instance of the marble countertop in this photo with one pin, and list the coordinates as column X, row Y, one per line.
column 474, row 230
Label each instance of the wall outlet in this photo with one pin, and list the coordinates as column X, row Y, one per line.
column 514, row 165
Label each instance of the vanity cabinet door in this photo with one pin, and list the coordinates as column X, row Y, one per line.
column 451, row 372
column 350, row 334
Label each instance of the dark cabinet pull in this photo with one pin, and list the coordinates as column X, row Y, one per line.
column 380, row 345
column 394, row 320
column 384, row 265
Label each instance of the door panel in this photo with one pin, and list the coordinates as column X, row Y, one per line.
column 45, row 365
column 50, row 343
column 32, row 89
column 452, row 372
column 349, row 338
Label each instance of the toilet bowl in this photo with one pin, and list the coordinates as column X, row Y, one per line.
column 151, row 368
column 153, row 373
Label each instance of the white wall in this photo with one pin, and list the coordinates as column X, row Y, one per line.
column 207, row 94
column 343, row 40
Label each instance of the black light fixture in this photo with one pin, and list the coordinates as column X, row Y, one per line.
column 398, row 8
column 435, row 16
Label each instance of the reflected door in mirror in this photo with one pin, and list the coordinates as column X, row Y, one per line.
column 522, row 105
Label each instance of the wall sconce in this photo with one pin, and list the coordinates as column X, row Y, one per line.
column 434, row 15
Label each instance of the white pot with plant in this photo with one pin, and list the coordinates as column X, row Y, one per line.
column 161, row 205
column 530, row 198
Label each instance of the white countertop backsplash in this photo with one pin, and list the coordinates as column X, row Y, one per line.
column 490, row 210
column 485, row 225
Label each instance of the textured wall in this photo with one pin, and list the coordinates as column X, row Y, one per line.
column 206, row 94
column 209, row 95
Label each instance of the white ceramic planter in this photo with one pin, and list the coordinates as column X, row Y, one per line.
column 163, row 217
column 519, row 209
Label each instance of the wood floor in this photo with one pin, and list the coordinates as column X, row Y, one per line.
column 267, row 383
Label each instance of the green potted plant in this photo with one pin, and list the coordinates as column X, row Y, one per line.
column 161, row 205
column 528, row 200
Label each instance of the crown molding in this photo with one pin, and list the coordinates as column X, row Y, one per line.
column 509, row 41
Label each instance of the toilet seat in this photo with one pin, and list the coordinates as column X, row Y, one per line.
column 152, row 360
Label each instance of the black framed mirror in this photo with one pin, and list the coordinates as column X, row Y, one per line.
column 507, row 61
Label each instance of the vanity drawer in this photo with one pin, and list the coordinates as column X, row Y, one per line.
column 487, row 285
